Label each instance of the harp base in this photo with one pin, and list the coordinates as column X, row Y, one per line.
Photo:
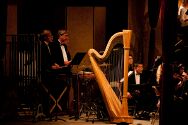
column 125, row 120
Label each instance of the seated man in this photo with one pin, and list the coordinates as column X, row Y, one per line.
column 138, row 89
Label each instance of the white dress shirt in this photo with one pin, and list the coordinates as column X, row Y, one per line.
column 137, row 78
column 64, row 53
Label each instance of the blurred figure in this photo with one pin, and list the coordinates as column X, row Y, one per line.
column 184, row 14
column 158, row 67
column 180, row 78
column 183, row 19
column 130, row 67
column 180, row 6
column 131, row 63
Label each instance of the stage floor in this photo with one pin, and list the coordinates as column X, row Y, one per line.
column 65, row 120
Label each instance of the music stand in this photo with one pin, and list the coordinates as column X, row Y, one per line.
column 78, row 58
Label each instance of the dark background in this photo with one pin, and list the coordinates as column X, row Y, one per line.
column 37, row 15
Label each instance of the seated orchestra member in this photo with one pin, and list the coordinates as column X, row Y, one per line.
column 180, row 79
column 130, row 67
column 131, row 62
column 180, row 84
column 139, row 91
column 184, row 14
column 158, row 74
column 183, row 19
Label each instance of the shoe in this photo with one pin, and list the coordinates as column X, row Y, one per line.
column 142, row 115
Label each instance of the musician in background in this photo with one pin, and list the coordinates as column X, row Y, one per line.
column 180, row 6
column 131, row 63
column 130, row 68
column 180, row 78
column 138, row 91
column 136, row 77
column 183, row 18
column 159, row 73
column 184, row 14
column 158, row 77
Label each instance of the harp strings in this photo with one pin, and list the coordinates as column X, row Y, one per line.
column 114, row 70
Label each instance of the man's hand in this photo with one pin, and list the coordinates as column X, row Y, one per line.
column 56, row 66
column 129, row 96
column 67, row 63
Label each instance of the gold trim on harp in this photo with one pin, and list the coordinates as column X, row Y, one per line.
column 117, row 110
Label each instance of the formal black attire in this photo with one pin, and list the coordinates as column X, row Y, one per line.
column 46, row 63
column 141, row 93
column 60, row 82
column 133, row 87
column 57, row 56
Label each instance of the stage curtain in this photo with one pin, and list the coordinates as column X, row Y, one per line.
column 3, row 22
column 153, row 12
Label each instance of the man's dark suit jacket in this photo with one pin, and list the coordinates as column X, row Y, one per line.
column 145, row 97
column 60, row 83
column 46, row 60
column 57, row 56
column 132, row 82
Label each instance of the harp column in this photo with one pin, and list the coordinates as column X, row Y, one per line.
column 126, row 39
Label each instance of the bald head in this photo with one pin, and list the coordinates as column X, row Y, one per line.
column 46, row 35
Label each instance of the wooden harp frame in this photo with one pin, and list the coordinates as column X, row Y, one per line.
column 117, row 110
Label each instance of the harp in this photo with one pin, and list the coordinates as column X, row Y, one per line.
column 117, row 109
